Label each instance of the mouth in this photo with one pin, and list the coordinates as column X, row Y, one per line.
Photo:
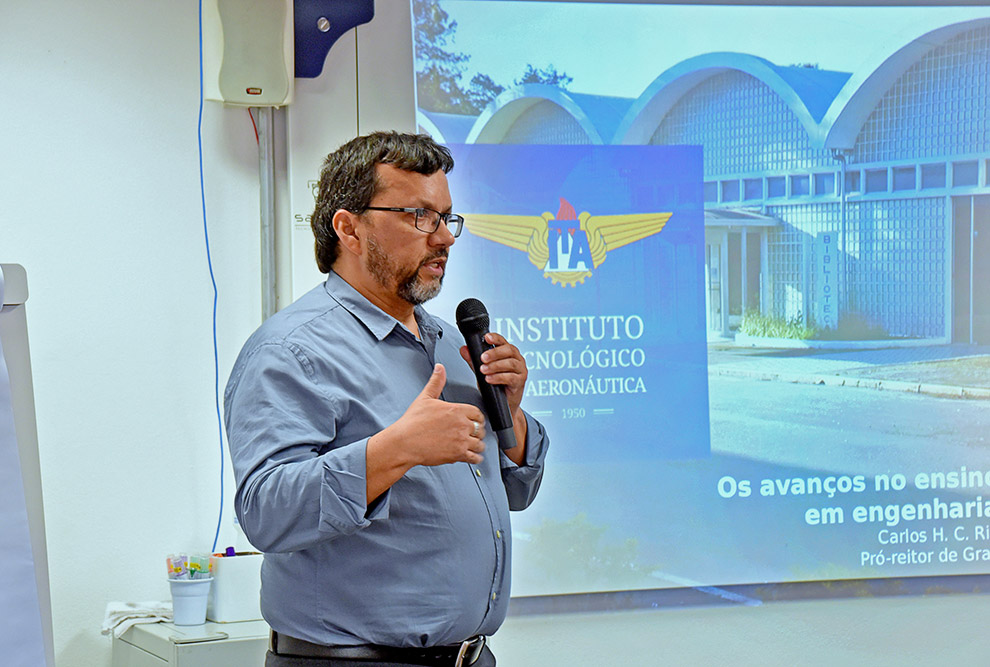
column 435, row 266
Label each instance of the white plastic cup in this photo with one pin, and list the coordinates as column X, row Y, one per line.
column 189, row 598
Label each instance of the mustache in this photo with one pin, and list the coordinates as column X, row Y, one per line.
column 439, row 254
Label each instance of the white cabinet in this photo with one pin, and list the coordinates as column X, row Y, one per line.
column 240, row 644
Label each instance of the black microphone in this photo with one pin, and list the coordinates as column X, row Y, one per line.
column 472, row 320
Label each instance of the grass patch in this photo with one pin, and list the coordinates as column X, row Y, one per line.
column 851, row 326
column 755, row 323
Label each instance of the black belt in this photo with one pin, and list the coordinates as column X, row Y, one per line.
column 455, row 655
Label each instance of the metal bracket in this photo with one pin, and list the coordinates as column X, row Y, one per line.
column 319, row 24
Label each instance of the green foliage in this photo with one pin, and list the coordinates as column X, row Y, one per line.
column 851, row 326
column 755, row 323
column 439, row 71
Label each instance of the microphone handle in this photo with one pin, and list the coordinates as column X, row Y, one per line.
column 492, row 396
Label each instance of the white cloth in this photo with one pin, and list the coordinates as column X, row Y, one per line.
column 122, row 615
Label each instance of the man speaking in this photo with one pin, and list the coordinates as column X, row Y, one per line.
column 365, row 469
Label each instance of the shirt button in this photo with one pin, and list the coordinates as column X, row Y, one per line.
column 477, row 472
column 493, row 596
column 498, row 534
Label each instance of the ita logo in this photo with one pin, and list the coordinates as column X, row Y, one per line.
column 567, row 247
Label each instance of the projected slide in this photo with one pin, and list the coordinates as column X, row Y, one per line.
column 744, row 251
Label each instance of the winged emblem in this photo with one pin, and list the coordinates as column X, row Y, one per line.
column 566, row 247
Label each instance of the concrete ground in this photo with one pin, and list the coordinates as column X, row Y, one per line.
column 941, row 370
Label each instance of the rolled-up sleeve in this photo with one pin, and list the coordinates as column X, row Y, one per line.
column 296, row 485
column 523, row 481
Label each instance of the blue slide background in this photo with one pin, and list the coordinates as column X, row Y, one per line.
column 657, row 279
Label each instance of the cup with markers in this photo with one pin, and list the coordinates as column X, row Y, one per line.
column 189, row 577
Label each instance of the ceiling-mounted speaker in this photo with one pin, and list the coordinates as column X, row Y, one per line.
column 248, row 52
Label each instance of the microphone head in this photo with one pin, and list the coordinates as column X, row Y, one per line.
column 472, row 316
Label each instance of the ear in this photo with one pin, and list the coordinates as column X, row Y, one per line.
column 346, row 226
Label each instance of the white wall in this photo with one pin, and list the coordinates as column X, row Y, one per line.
column 100, row 201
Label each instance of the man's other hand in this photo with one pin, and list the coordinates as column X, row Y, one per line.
column 435, row 432
column 504, row 365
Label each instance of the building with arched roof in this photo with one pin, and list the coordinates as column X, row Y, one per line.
column 858, row 200
column 541, row 114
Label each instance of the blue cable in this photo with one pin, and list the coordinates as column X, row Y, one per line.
column 209, row 262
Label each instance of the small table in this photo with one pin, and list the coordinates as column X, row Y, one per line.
column 159, row 644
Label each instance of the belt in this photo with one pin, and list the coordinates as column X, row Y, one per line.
column 455, row 655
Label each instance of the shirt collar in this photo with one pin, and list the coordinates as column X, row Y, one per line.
column 378, row 322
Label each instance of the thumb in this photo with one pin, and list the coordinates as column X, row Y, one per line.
column 435, row 384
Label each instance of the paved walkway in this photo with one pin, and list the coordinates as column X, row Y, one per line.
column 961, row 371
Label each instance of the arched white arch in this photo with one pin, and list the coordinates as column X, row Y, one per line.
column 502, row 113
column 862, row 93
column 425, row 123
column 650, row 108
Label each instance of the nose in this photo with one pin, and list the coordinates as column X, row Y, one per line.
column 442, row 236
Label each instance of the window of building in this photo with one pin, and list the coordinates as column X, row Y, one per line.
column 825, row 184
column 776, row 186
column 965, row 173
column 876, row 180
column 800, row 185
column 730, row 190
column 904, row 178
column 711, row 191
column 853, row 182
column 753, row 188
column 933, row 176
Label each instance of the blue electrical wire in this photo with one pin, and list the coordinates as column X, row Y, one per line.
column 209, row 262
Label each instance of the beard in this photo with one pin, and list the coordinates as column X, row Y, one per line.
column 408, row 284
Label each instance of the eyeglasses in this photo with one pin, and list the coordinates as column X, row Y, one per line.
column 427, row 220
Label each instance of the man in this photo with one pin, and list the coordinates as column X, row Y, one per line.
column 364, row 469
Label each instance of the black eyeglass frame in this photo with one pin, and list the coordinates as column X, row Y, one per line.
column 453, row 221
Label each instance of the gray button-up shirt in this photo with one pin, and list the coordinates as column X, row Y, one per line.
column 428, row 562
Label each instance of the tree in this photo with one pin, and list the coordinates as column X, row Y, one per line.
column 439, row 70
column 548, row 75
column 483, row 90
